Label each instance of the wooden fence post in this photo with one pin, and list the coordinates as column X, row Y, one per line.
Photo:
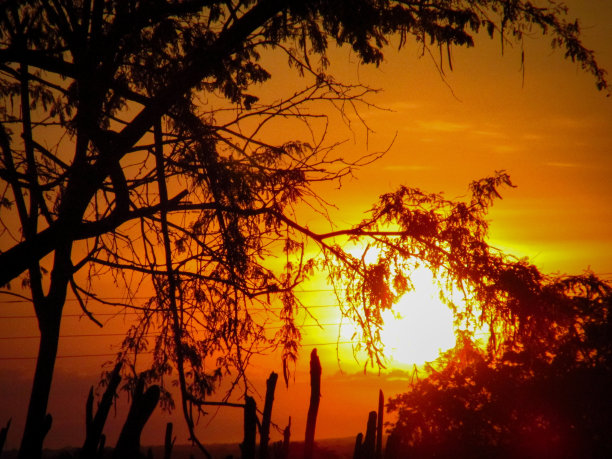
column 3, row 434
column 169, row 441
column 379, row 428
column 392, row 449
column 358, row 446
column 286, row 440
column 313, row 409
column 143, row 404
column 94, row 425
column 267, row 416
column 369, row 442
column 280, row 449
column 250, row 428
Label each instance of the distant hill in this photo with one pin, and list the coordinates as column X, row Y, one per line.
column 329, row 448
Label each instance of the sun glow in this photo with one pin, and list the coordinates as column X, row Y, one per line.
column 420, row 326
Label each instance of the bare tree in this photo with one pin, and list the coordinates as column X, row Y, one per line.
column 148, row 182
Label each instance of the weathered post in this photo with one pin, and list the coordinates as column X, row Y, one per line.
column 169, row 441
column 392, row 449
column 379, row 428
column 95, row 424
column 286, row 440
column 369, row 441
column 358, row 446
column 250, row 428
column 143, row 404
column 313, row 409
column 3, row 434
column 280, row 449
column 267, row 416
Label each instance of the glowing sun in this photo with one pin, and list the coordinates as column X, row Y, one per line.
column 420, row 326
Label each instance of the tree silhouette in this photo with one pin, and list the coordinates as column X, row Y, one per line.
column 114, row 163
column 544, row 393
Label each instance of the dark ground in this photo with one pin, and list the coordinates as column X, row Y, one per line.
column 334, row 448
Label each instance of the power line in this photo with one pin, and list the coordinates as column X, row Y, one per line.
column 120, row 313
column 75, row 356
column 65, row 356
column 120, row 298
column 88, row 335
column 91, row 335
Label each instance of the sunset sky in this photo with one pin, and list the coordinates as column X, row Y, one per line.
column 548, row 127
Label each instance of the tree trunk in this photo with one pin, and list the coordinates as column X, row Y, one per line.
column 38, row 422
column 313, row 409
column 49, row 315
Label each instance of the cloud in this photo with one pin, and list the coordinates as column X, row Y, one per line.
column 488, row 133
column 570, row 122
column 443, row 126
column 406, row 168
column 404, row 106
column 564, row 165
column 504, row 148
column 532, row 136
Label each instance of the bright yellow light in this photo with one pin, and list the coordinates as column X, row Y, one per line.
column 420, row 326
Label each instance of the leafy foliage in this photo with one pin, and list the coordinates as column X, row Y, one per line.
column 410, row 228
column 543, row 394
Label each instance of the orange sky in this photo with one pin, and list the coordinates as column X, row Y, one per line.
column 553, row 135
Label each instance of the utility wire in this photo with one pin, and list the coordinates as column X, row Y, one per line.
column 120, row 298
column 90, row 335
column 120, row 313
column 74, row 356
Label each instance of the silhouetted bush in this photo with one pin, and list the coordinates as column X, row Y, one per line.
column 540, row 394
